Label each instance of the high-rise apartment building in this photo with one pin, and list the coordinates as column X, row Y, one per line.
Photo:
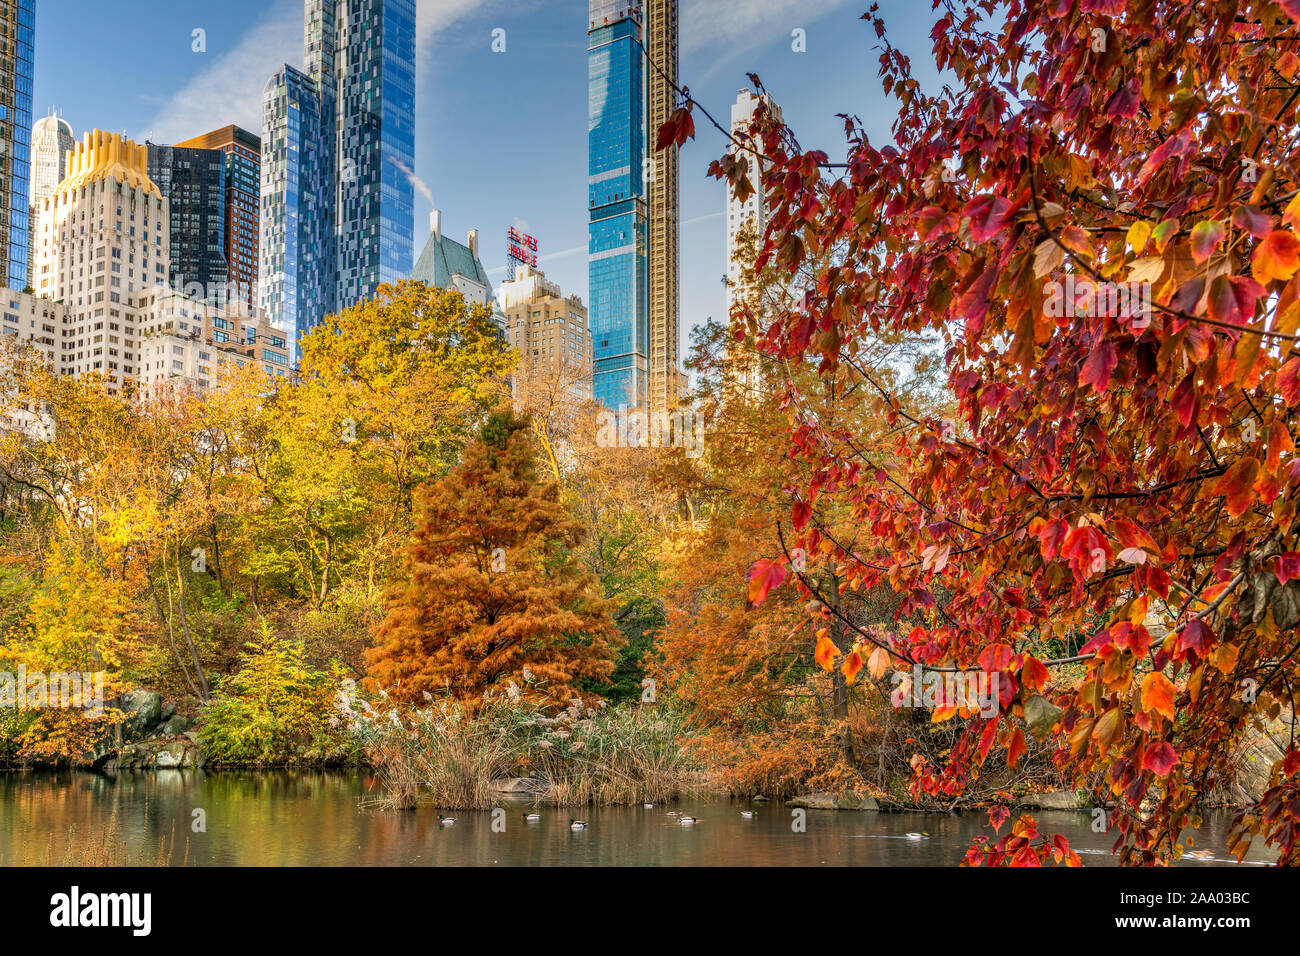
column 632, row 200
column 750, row 217
column 663, row 196
column 193, row 181
column 753, row 212
column 338, row 151
column 17, row 30
column 550, row 333
column 242, row 152
column 52, row 140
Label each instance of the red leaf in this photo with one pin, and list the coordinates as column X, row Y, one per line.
column 1288, row 567
column 764, row 576
column 1160, row 759
column 1288, row 379
column 1101, row 362
column 996, row 657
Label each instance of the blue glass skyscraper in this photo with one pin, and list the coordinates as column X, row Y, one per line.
column 618, row 285
column 632, row 201
column 338, row 151
column 18, row 18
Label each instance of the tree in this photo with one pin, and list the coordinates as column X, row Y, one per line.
column 1099, row 216
column 493, row 588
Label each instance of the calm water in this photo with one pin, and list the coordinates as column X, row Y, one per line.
column 312, row 819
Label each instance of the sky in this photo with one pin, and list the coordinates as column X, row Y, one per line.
column 501, row 137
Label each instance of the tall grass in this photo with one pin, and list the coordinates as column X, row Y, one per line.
column 449, row 755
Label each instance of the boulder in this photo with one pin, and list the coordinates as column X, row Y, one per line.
column 143, row 710
column 1254, row 762
column 175, row 726
column 522, row 786
column 1053, row 800
column 833, row 801
column 172, row 756
column 168, row 710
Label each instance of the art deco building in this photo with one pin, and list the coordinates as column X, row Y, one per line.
column 550, row 333
column 632, row 201
column 17, row 29
column 103, row 260
column 242, row 152
column 51, row 142
column 338, row 139
column 102, row 237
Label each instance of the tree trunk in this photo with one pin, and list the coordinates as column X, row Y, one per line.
column 185, row 623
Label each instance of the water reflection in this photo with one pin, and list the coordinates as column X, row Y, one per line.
column 313, row 819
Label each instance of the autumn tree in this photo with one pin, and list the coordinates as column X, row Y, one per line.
column 492, row 587
column 1098, row 214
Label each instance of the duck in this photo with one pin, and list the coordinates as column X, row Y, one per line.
column 674, row 813
column 532, row 817
column 749, row 814
column 577, row 824
column 447, row 821
column 687, row 821
column 649, row 806
column 916, row 836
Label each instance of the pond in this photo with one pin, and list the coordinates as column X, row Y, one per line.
column 313, row 819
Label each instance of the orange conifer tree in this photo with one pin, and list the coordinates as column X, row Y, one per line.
column 493, row 587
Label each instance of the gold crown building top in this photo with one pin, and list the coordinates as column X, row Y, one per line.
column 101, row 155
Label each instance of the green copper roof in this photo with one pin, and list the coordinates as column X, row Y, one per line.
column 443, row 258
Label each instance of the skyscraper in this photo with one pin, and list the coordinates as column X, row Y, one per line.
column 17, row 29
column 661, row 100
column 748, row 216
column 51, row 142
column 193, row 181
column 338, row 151
column 242, row 151
column 753, row 212
column 632, row 200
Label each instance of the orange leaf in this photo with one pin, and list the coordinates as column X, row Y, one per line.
column 1158, row 694
column 826, row 652
column 1016, row 748
column 852, row 664
column 1276, row 257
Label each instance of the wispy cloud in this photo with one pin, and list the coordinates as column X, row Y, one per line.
column 229, row 89
column 729, row 28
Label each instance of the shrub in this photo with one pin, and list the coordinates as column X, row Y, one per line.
column 274, row 710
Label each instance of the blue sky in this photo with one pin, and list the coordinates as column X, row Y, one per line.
column 501, row 138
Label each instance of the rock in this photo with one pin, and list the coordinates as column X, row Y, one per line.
column 759, row 798
column 527, row 786
column 1254, row 762
column 833, row 801
column 172, row 756
column 168, row 710
column 175, row 726
column 143, row 709
column 1053, row 800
